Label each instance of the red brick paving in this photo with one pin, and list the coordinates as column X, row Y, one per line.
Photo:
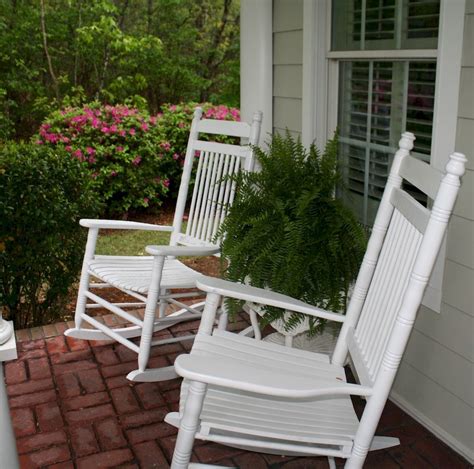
column 73, row 408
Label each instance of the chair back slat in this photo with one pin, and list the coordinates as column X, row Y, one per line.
column 387, row 289
column 419, row 174
column 400, row 256
column 218, row 127
column 415, row 213
column 213, row 190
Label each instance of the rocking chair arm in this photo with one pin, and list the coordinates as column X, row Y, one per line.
column 182, row 250
column 243, row 292
column 220, row 371
column 122, row 225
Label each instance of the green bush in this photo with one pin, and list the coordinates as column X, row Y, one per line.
column 286, row 231
column 120, row 146
column 134, row 159
column 175, row 122
column 43, row 196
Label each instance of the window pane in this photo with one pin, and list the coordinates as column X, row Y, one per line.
column 384, row 24
column 378, row 100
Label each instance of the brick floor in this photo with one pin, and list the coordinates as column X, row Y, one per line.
column 72, row 407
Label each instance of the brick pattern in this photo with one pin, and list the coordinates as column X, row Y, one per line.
column 72, row 407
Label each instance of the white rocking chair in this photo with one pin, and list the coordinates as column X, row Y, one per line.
column 148, row 280
column 260, row 396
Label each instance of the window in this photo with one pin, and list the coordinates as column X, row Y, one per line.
column 381, row 97
column 372, row 69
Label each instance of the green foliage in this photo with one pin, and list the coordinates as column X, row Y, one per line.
column 111, row 50
column 44, row 194
column 175, row 123
column 133, row 158
column 286, row 231
column 121, row 147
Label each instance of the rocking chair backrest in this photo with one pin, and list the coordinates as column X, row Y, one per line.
column 213, row 191
column 400, row 256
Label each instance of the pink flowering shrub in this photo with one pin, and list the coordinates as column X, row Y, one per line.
column 134, row 159
column 121, row 148
column 175, row 123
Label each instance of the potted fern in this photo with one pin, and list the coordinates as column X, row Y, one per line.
column 286, row 231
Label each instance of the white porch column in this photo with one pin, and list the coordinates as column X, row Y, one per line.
column 8, row 452
column 256, row 55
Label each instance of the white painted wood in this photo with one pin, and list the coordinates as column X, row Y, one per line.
column 458, row 291
column 315, row 72
column 416, row 172
column 465, row 207
column 465, row 139
column 286, row 80
column 448, row 70
column 156, row 280
column 8, row 449
column 448, row 370
column 454, row 414
column 287, row 48
column 7, row 440
column 466, row 100
column 266, row 397
column 219, row 127
column 460, row 247
column 256, row 69
column 123, row 225
column 384, row 54
column 287, row 113
column 287, row 15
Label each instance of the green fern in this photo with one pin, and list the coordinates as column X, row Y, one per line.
column 286, row 231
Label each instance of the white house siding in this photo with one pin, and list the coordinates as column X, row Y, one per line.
column 436, row 379
column 287, row 65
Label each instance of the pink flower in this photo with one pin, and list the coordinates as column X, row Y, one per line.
column 95, row 122
column 197, row 153
column 165, row 145
column 78, row 155
column 146, row 200
column 39, row 142
column 166, row 182
column 90, row 151
column 131, row 131
column 113, row 173
column 91, row 159
column 105, row 130
column 68, row 148
column 175, row 156
column 181, row 125
column 113, row 128
column 122, row 133
column 172, row 107
column 119, row 148
column 144, row 127
column 137, row 160
column 65, row 139
column 153, row 120
column 94, row 175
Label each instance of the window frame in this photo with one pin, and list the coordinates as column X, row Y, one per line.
column 320, row 103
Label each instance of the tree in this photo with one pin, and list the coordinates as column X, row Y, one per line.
column 55, row 52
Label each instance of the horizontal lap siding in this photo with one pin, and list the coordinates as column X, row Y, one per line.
column 287, row 66
column 435, row 381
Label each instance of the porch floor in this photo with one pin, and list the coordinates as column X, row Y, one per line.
column 72, row 407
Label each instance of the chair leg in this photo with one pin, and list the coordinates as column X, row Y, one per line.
column 223, row 318
column 189, row 425
column 150, row 311
column 81, row 299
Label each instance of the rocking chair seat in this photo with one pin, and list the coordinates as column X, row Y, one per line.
column 329, row 420
column 133, row 273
